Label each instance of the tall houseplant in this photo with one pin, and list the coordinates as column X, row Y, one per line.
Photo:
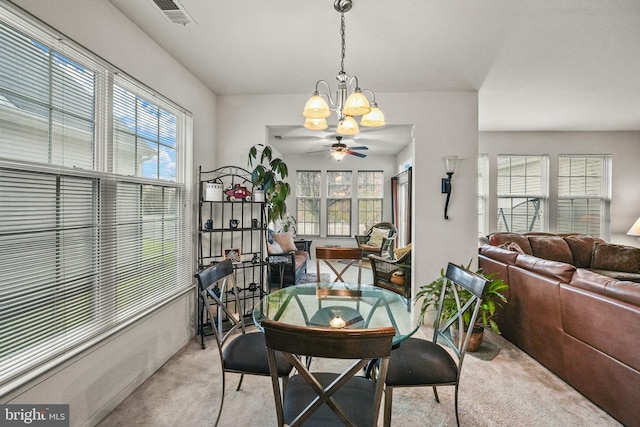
column 491, row 300
column 268, row 175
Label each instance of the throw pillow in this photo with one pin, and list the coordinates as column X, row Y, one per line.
column 400, row 252
column 377, row 234
column 285, row 240
column 512, row 246
column 581, row 246
column 553, row 248
column 273, row 248
column 607, row 256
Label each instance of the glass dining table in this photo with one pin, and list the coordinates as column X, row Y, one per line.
column 339, row 305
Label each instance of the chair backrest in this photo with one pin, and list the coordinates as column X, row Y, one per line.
column 350, row 256
column 460, row 299
column 359, row 345
column 214, row 283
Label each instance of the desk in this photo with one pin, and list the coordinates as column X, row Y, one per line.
column 358, row 306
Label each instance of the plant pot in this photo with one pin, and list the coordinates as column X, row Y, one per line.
column 477, row 333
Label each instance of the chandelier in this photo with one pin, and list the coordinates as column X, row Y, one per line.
column 349, row 101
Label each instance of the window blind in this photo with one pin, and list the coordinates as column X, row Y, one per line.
column 95, row 199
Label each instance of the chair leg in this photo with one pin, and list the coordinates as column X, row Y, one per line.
column 435, row 393
column 240, row 382
column 388, row 401
column 456, row 403
column 221, row 401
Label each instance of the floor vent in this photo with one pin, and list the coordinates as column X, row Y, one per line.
column 174, row 12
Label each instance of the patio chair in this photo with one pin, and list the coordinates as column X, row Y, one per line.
column 378, row 240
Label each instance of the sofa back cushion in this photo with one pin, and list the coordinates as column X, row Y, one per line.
column 499, row 254
column 553, row 248
column 581, row 246
column 557, row 270
column 497, row 239
column 607, row 256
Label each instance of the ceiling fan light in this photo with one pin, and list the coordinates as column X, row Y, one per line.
column 315, row 124
column 347, row 126
column 374, row 118
column 356, row 104
column 338, row 154
column 316, row 107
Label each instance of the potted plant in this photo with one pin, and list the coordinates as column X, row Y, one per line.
column 268, row 175
column 491, row 300
column 287, row 224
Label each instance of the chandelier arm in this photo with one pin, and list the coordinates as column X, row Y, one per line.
column 327, row 94
column 372, row 94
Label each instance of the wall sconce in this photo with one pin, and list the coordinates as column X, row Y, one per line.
column 449, row 168
column 635, row 229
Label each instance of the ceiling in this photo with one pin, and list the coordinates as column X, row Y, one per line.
column 537, row 65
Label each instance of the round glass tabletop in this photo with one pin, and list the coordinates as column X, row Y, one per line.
column 339, row 305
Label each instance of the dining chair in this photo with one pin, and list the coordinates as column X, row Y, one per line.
column 334, row 256
column 322, row 398
column 243, row 353
column 417, row 362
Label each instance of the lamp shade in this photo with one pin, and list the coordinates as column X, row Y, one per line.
column 373, row 118
column 449, row 163
column 315, row 124
column 338, row 154
column 356, row 104
column 635, row 229
column 316, row 107
column 347, row 126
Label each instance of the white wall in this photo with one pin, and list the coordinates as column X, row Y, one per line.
column 624, row 148
column 446, row 123
column 96, row 381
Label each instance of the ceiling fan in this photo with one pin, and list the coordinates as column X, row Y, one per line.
column 339, row 150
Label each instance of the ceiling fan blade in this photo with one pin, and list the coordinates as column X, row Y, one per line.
column 353, row 153
column 317, row 151
column 362, row 147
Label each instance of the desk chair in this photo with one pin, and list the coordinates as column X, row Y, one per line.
column 418, row 363
column 321, row 398
column 245, row 353
column 350, row 255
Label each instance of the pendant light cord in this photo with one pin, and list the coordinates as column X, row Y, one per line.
column 344, row 43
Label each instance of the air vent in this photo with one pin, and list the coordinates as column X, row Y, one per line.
column 174, row 11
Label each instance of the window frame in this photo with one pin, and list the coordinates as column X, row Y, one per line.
column 343, row 200
column 363, row 225
column 300, row 199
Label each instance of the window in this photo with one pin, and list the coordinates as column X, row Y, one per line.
column 308, row 203
column 370, row 193
column 522, row 192
column 338, row 203
column 94, row 230
column 583, row 194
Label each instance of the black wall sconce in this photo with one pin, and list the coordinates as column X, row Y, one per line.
column 449, row 168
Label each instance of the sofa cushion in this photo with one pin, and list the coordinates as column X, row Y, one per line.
column 590, row 281
column 581, row 246
column 553, row 248
column 607, row 256
column 618, row 275
column 285, row 240
column 273, row 248
column 557, row 270
column 377, row 236
column 400, row 252
column 624, row 291
column 499, row 254
column 497, row 239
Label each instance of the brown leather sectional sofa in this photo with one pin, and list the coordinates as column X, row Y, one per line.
column 582, row 325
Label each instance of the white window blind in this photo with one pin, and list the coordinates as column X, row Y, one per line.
column 95, row 224
column 583, row 194
column 370, row 193
column 308, row 202
column 522, row 192
column 338, row 203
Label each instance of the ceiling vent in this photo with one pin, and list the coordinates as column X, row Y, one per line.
column 174, row 11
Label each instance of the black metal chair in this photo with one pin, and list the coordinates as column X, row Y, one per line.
column 322, row 398
column 245, row 353
column 418, row 362
column 385, row 248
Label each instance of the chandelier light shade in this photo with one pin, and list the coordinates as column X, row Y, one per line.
column 350, row 100
column 373, row 118
column 348, row 126
column 315, row 124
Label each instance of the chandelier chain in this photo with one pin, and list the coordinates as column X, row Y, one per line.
column 344, row 43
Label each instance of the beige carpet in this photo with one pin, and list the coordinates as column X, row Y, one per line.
column 510, row 390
